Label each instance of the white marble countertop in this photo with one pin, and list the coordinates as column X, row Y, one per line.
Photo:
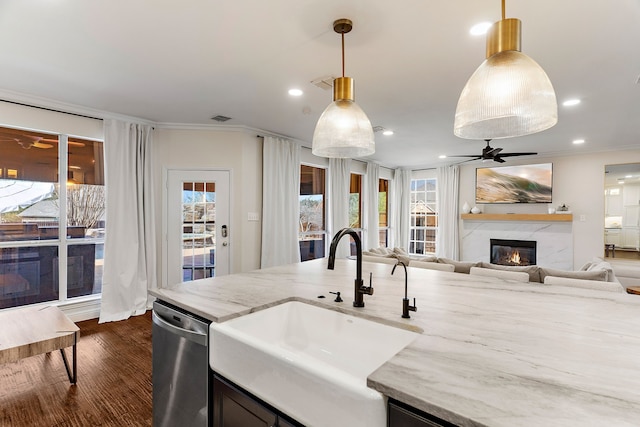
column 491, row 353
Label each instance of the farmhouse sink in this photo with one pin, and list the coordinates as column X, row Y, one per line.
column 311, row 363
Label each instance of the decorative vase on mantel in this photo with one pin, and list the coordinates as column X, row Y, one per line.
column 475, row 210
column 466, row 208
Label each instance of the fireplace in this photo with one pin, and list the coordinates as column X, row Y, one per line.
column 513, row 252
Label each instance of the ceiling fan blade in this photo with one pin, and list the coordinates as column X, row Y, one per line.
column 465, row 161
column 492, row 152
column 498, row 159
column 517, row 154
column 41, row 145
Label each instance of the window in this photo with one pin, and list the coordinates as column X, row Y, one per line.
column 198, row 230
column 383, row 208
column 424, row 216
column 355, row 207
column 37, row 264
column 311, row 228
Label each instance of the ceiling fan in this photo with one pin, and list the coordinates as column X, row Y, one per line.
column 490, row 153
column 29, row 141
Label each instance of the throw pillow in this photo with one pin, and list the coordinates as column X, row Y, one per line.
column 599, row 264
column 460, row 266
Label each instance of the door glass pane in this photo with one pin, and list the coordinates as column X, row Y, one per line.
column 28, row 177
column 198, row 230
column 28, row 275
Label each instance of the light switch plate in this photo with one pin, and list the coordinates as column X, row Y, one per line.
column 253, row 216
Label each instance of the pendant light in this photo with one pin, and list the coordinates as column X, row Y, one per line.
column 343, row 130
column 509, row 95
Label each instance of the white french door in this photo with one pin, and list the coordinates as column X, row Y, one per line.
column 197, row 226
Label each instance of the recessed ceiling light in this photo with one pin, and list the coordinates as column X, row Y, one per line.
column 480, row 29
column 295, row 92
column 442, row 156
column 628, row 176
column 578, row 141
column 571, row 102
column 387, row 132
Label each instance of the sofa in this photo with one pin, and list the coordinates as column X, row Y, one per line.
column 597, row 274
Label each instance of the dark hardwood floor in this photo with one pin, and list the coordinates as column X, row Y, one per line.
column 114, row 380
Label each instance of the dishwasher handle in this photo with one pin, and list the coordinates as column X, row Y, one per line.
column 194, row 336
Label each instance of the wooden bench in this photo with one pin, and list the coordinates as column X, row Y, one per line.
column 29, row 331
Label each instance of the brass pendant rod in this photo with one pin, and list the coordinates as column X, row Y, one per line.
column 342, row 54
column 503, row 10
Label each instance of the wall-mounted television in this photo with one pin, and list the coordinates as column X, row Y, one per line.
column 514, row 184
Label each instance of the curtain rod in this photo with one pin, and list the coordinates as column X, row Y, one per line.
column 51, row 109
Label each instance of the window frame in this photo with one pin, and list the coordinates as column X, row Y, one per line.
column 65, row 247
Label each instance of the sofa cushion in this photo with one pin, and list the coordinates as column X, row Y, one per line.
column 399, row 251
column 585, row 284
column 379, row 259
column 600, row 275
column 460, row 266
column 600, row 264
column 381, row 251
column 519, row 276
column 379, row 254
column 432, row 265
column 532, row 270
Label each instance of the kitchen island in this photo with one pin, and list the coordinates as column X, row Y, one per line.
column 490, row 353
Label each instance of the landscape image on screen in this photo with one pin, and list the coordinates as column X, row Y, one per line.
column 514, row 184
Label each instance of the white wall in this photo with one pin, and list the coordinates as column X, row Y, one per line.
column 578, row 181
column 237, row 150
column 20, row 116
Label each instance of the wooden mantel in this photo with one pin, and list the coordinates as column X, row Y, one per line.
column 518, row 217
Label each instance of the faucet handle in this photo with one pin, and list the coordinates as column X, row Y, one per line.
column 338, row 297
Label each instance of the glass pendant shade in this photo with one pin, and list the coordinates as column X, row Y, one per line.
column 343, row 131
column 509, row 94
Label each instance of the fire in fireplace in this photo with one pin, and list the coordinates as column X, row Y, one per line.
column 513, row 252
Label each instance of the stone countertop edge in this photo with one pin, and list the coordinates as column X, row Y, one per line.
column 491, row 352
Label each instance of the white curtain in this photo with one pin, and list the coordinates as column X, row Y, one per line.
column 280, row 202
column 371, row 215
column 400, row 216
column 447, row 236
column 130, row 243
column 339, row 182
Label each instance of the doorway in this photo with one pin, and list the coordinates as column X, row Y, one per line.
column 197, row 227
column 622, row 211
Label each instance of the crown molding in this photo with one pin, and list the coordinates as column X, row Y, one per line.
column 66, row 108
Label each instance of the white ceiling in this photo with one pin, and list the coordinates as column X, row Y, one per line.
column 186, row 61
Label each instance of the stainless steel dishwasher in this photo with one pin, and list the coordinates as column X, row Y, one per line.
column 180, row 375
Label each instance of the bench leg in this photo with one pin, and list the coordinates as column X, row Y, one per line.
column 73, row 376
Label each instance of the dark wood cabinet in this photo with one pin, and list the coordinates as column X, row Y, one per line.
column 401, row 415
column 233, row 407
